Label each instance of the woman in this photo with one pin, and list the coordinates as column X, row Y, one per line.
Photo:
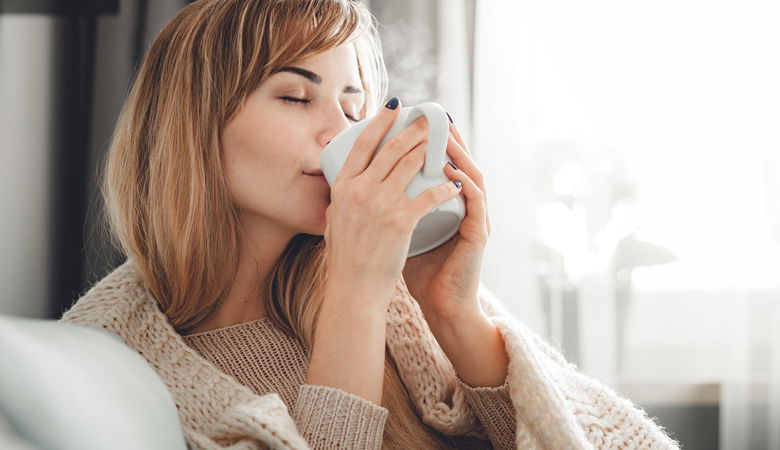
column 283, row 313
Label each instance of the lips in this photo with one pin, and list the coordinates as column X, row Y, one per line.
column 316, row 174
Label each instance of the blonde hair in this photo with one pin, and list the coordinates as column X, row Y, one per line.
column 166, row 198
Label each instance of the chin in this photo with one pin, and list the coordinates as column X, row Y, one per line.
column 315, row 224
column 310, row 218
column 319, row 228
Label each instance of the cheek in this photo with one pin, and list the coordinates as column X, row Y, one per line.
column 249, row 167
column 263, row 160
column 252, row 177
column 260, row 166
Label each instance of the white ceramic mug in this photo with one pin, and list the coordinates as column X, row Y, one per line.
column 441, row 223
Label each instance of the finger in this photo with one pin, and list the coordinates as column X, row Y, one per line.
column 476, row 203
column 471, row 168
column 456, row 134
column 367, row 142
column 458, row 154
column 464, row 162
column 407, row 168
column 396, row 147
column 433, row 197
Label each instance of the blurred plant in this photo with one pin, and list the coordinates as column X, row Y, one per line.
column 579, row 186
column 587, row 223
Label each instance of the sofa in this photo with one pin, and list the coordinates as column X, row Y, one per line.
column 68, row 386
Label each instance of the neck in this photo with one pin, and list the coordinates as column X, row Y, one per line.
column 261, row 245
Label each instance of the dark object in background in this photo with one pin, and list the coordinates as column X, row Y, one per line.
column 68, row 124
column 60, row 7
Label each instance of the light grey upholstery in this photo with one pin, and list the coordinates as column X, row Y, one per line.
column 67, row 386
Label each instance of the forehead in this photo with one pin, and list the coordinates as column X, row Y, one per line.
column 335, row 65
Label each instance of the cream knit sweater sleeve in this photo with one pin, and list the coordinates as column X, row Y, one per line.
column 555, row 405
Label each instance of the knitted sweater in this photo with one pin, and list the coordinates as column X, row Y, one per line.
column 262, row 357
column 555, row 405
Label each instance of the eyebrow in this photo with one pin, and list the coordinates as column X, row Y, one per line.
column 314, row 78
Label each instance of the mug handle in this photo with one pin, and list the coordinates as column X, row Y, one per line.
column 438, row 133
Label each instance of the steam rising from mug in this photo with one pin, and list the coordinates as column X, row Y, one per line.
column 443, row 222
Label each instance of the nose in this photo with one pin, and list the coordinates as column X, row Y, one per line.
column 327, row 135
column 333, row 123
column 329, row 132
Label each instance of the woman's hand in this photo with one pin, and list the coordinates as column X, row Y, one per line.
column 445, row 280
column 370, row 219
column 369, row 225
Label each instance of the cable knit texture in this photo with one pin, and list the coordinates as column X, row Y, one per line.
column 262, row 357
column 548, row 402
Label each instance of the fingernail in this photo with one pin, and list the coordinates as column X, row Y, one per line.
column 457, row 183
column 392, row 104
column 452, row 165
column 449, row 117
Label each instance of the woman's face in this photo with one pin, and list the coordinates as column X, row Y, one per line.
column 274, row 142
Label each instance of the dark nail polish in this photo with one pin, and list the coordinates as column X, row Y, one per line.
column 452, row 165
column 457, row 183
column 392, row 104
column 449, row 117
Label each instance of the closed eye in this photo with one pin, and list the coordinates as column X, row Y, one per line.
column 296, row 100
column 304, row 101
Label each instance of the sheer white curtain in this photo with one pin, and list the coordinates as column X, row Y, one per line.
column 632, row 159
